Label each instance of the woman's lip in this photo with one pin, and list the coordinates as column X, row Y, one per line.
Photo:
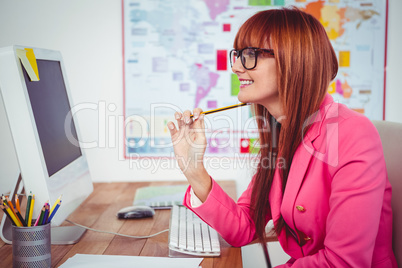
column 245, row 82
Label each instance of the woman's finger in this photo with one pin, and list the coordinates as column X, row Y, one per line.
column 179, row 117
column 172, row 128
column 196, row 113
column 186, row 117
column 199, row 122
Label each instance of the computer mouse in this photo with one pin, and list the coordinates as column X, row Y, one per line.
column 135, row 212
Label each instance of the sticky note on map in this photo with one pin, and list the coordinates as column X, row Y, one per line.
column 344, row 58
column 28, row 60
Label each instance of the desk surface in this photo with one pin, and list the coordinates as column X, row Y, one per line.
column 100, row 211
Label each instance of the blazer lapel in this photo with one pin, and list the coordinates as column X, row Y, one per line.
column 297, row 171
column 301, row 160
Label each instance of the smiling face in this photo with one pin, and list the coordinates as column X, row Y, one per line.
column 259, row 85
column 295, row 80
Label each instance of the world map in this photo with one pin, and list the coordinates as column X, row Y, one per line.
column 176, row 59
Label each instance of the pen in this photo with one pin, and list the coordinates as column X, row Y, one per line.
column 224, row 108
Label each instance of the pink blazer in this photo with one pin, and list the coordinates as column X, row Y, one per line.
column 337, row 199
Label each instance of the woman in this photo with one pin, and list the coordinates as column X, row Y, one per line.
column 329, row 196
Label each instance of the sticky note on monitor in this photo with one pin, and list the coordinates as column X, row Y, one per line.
column 28, row 60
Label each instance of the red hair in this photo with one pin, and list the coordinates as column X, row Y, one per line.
column 306, row 63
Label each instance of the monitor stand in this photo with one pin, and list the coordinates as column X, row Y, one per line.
column 60, row 235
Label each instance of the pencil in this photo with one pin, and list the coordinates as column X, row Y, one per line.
column 21, row 219
column 36, row 222
column 10, row 205
column 55, row 204
column 8, row 215
column 41, row 216
column 12, row 216
column 224, row 108
column 17, row 203
column 31, row 211
column 54, row 212
column 46, row 215
column 28, row 208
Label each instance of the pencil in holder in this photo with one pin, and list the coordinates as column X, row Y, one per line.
column 31, row 246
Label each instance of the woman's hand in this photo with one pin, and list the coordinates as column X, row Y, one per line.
column 189, row 144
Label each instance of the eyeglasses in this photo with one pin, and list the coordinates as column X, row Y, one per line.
column 248, row 56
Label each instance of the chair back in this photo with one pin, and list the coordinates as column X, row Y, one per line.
column 391, row 138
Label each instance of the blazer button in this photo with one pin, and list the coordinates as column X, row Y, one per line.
column 300, row 208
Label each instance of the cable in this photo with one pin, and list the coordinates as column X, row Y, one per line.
column 107, row 232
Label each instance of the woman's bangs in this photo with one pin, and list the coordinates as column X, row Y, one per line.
column 253, row 33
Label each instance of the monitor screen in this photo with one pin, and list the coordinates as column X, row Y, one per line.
column 50, row 107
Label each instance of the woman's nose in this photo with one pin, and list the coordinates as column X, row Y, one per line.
column 237, row 66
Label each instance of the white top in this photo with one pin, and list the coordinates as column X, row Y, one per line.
column 194, row 200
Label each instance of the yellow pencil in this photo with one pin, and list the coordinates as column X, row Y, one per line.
column 12, row 216
column 55, row 204
column 224, row 108
column 11, row 206
column 31, row 211
column 6, row 213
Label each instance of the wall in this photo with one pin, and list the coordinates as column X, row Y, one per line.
column 89, row 35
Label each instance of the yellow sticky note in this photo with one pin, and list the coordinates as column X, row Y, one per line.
column 32, row 60
column 344, row 58
column 28, row 60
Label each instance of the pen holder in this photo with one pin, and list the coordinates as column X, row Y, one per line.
column 31, row 246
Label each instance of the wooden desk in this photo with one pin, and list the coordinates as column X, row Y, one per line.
column 99, row 212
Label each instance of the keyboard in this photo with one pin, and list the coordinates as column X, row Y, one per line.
column 188, row 234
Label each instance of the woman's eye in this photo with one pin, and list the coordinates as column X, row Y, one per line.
column 250, row 54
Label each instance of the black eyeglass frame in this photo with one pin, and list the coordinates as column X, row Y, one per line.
column 256, row 51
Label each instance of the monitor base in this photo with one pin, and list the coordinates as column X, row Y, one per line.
column 66, row 235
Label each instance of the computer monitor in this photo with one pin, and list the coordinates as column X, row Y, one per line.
column 45, row 134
